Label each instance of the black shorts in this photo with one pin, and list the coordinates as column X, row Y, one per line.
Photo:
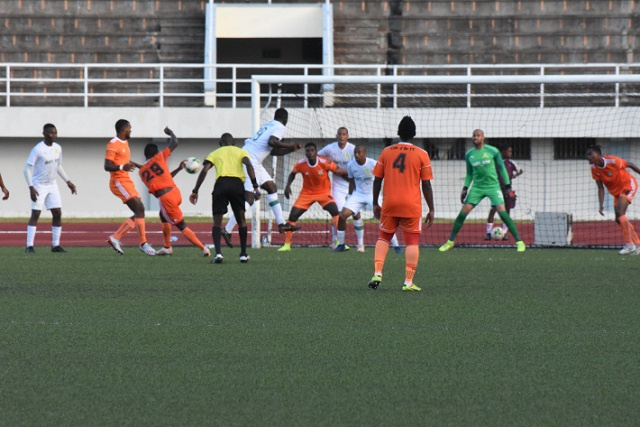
column 227, row 190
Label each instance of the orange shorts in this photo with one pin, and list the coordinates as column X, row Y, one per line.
column 304, row 201
column 628, row 193
column 390, row 224
column 170, row 206
column 123, row 189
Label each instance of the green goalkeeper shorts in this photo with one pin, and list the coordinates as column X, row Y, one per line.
column 494, row 194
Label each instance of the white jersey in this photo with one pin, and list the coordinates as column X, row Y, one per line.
column 363, row 176
column 341, row 157
column 258, row 145
column 45, row 161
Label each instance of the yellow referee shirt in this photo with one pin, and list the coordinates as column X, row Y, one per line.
column 228, row 161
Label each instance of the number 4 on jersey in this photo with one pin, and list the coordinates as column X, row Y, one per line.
column 398, row 163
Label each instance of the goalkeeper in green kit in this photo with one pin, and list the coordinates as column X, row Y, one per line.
column 481, row 170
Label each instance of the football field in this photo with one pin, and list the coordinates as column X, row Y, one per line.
column 548, row 337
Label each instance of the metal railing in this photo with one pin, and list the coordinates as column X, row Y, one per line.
column 161, row 85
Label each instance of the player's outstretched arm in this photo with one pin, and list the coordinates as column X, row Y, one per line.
column 173, row 139
column 280, row 148
column 193, row 198
column 179, row 168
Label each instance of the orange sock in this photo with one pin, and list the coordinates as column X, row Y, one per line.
column 166, row 234
column 412, row 254
column 125, row 227
column 142, row 230
column 626, row 228
column 189, row 234
column 380, row 255
column 288, row 235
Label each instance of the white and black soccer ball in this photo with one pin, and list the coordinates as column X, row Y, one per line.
column 497, row 233
column 192, row 165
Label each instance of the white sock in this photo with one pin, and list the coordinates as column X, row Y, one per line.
column 55, row 236
column 358, row 225
column 231, row 224
column 31, row 234
column 340, row 236
column 276, row 207
column 334, row 234
column 394, row 241
column 489, row 227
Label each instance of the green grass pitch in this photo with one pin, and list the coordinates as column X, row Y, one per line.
column 548, row 337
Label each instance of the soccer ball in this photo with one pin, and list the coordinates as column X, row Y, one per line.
column 497, row 233
column 193, row 165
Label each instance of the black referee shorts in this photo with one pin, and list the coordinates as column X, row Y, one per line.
column 227, row 190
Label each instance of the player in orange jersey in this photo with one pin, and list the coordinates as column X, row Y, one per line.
column 118, row 163
column 404, row 168
column 610, row 172
column 316, row 188
column 159, row 180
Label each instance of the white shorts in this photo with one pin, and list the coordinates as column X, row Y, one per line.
column 262, row 176
column 48, row 197
column 340, row 195
column 358, row 202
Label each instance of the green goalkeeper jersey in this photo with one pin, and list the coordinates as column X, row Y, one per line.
column 482, row 170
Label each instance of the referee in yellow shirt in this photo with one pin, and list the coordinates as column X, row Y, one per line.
column 229, row 188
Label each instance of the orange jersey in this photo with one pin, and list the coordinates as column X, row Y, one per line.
column 403, row 167
column 155, row 172
column 614, row 175
column 315, row 179
column 118, row 152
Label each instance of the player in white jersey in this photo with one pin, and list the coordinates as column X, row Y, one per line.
column 43, row 165
column 267, row 140
column 341, row 152
column 360, row 173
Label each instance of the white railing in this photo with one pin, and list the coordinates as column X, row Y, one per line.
column 160, row 85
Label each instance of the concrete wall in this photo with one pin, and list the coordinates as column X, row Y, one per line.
column 547, row 185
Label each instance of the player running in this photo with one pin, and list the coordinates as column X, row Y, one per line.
column 405, row 169
column 360, row 173
column 481, row 170
column 316, row 188
column 158, row 178
column 610, row 171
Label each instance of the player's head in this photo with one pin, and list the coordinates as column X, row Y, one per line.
column 311, row 151
column 594, row 154
column 360, row 153
column 226, row 139
column 342, row 135
column 507, row 152
column 150, row 150
column 478, row 137
column 123, row 128
column 282, row 116
column 49, row 132
column 406, row 128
